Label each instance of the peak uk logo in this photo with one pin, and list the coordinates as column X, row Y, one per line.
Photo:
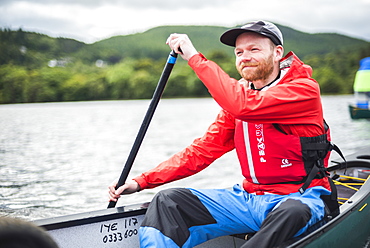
column 260, row 142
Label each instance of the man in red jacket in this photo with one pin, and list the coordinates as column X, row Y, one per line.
column 273, row 118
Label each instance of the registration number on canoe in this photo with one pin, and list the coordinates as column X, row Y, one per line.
column 113, row 231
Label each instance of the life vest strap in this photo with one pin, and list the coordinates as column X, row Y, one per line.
column 318, row 166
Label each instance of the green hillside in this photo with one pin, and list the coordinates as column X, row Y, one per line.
column 206, row 39
column 37, row 68
column 33, row 49
column 151, row 44
column 304, row 44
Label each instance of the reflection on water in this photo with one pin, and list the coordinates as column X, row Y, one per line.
column 58, row 158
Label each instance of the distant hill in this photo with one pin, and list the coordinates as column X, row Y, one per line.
column 34, row 49
column 152, row 42
column 304, row 44
column 19, row 47
column 206, row 39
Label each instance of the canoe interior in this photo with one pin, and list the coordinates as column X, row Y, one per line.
column 351, row 228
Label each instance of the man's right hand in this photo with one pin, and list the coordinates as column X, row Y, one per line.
column 177, row 41
column 128, row 188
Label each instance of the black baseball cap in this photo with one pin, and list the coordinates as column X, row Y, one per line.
column 267, row 29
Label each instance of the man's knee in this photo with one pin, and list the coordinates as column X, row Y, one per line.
column 281, row 224
column 183, row 204
column 174, row 211
column 295, row 209
column 167, row 194
column 290, row 212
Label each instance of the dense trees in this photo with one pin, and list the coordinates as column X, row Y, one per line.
column 37, row 68
column 129, row 79
column 336, row 71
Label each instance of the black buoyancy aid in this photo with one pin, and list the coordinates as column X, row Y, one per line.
column 314, row 152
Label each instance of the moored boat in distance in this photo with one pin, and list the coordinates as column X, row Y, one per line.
column 118, row 227
column 361, row 87
column 358, row 113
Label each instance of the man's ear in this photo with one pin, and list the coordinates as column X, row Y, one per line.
column 279, row 52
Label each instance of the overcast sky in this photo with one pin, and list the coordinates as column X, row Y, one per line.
column 93, row 20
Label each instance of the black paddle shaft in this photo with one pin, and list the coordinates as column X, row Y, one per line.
column 145, row 124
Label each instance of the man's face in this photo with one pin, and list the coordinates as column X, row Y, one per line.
column 254, row 56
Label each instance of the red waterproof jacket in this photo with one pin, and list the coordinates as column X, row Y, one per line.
column 293, row 102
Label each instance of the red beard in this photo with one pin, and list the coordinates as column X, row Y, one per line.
column 260, row 71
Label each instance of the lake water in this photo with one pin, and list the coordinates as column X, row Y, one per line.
column 59, row 158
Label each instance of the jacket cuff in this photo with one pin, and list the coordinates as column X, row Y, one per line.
column 142, row 182
column 196, row 59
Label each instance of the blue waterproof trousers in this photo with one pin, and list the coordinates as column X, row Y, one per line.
column 188, row 217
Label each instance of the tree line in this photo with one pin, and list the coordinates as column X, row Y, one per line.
column 27, row 75
column 130, row 79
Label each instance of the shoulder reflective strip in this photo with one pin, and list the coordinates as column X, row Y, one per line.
column 249, row 152
column 171, row 59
